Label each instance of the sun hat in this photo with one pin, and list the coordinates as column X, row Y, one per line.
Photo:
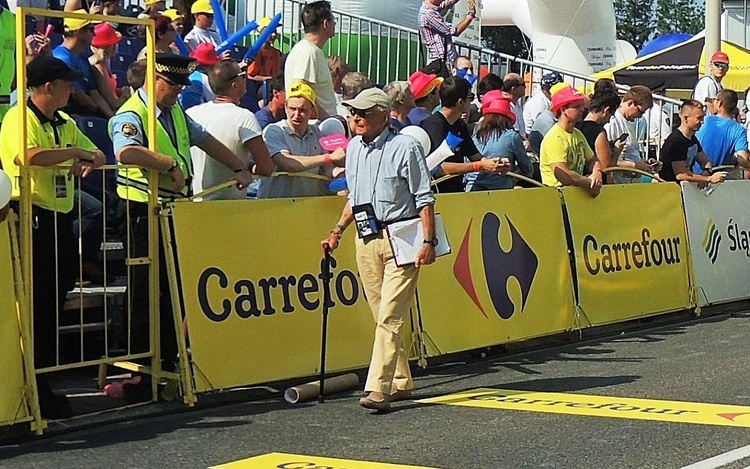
column 720, row 56
column 566, row 96
column 74, row 24
column 422, row 83
column 500, row 106
column 173, row 14
column 105, row 35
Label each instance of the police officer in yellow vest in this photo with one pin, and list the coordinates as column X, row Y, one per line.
column 53, row 140
column 176, row 133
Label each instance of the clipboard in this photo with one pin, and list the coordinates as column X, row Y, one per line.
column 406, row 238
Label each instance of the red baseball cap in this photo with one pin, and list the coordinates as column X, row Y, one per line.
column 205, row 54
column 565, row 97
column 720, row 56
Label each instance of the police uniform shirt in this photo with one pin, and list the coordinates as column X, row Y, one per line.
column 48, row 191
column 127, row 129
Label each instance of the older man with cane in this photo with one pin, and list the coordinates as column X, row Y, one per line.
column 388, row 182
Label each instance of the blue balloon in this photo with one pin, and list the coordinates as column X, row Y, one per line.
column 236, row 37
column 181, row 45
column 258, row 44
column 219, row 19
column 663, row 42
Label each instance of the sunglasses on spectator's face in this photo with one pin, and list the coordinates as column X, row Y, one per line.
column 721, row 65
column 363, row 113
column 470, row 97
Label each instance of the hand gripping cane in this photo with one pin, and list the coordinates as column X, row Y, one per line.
column 325, row 276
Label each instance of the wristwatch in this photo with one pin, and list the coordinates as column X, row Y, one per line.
column 432, row 242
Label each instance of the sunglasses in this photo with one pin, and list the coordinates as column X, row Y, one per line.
column 470, row 97
column 363, row 113
column 721, row 65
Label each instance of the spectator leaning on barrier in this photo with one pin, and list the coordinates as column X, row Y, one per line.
column 723, row 139
column 176, row 133
column 388, row 181
column 87, row 95
column 603, row 105
column 203, row 18
column 306, row 60
column 273, row 111
column 627, row 120
column 682, row 149
column 233, row 126
column 437, row 34
column 541, row 100
column 456, row 98
column 200, row 91
column 494, row 135
column 403, row 102
column 53, row 139
column 566, row 159
column 295, row 147
column 425, row 89
column 708, row 87
column 351, row 85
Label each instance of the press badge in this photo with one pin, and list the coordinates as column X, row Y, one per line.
column 365, row 220
column 61, row 186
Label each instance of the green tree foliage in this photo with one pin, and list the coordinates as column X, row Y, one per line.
column 683, row 16
column 634, row 21
column 506, row 39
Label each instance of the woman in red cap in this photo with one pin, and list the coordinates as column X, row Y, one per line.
column 495, row 136
column 103, row 48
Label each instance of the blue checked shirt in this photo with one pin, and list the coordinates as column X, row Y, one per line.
column 391, row 174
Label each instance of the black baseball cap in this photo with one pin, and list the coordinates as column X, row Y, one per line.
column 45, row 69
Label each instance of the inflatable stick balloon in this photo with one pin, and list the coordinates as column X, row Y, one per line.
column 445, row 150
column 236, row 37
column 181, row 45
column 262, row 38
column 219, row 19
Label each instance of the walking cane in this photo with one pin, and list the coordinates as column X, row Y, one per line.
column 325, row 275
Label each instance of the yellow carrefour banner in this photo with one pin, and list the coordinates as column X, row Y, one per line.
column 12, row 401
column 631, row 251
column 252, row 293
column 508, row 277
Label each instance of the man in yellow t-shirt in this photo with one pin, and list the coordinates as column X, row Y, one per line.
column 565, row 155
column 53, row 141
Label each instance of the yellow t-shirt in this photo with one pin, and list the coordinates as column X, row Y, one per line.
column 560, row 146
column 50, row 188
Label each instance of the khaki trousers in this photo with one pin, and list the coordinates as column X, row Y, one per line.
column 390, row 293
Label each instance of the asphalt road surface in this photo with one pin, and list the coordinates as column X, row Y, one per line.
column 698, row 361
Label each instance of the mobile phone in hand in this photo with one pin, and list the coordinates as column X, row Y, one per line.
column 622, row 137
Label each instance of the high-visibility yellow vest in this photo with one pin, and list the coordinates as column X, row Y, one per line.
column 7, row 55
column 132, row 183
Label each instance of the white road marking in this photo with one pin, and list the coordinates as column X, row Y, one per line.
column 722, row 459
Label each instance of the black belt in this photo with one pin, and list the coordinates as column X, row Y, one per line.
column 383, row 224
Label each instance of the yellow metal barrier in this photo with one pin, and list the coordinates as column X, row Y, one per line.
column 26, row 299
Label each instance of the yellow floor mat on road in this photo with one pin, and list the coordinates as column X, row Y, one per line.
column 599, row 406
column 299, row 461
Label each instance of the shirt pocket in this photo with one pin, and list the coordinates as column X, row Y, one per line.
column 388, row 189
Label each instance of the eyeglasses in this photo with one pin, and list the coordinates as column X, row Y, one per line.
column 721, row 65
column 470, row 97
column 363, row 113
column 170, row 82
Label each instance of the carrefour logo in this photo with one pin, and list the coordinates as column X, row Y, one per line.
column 519, row 261
column 712, row 241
